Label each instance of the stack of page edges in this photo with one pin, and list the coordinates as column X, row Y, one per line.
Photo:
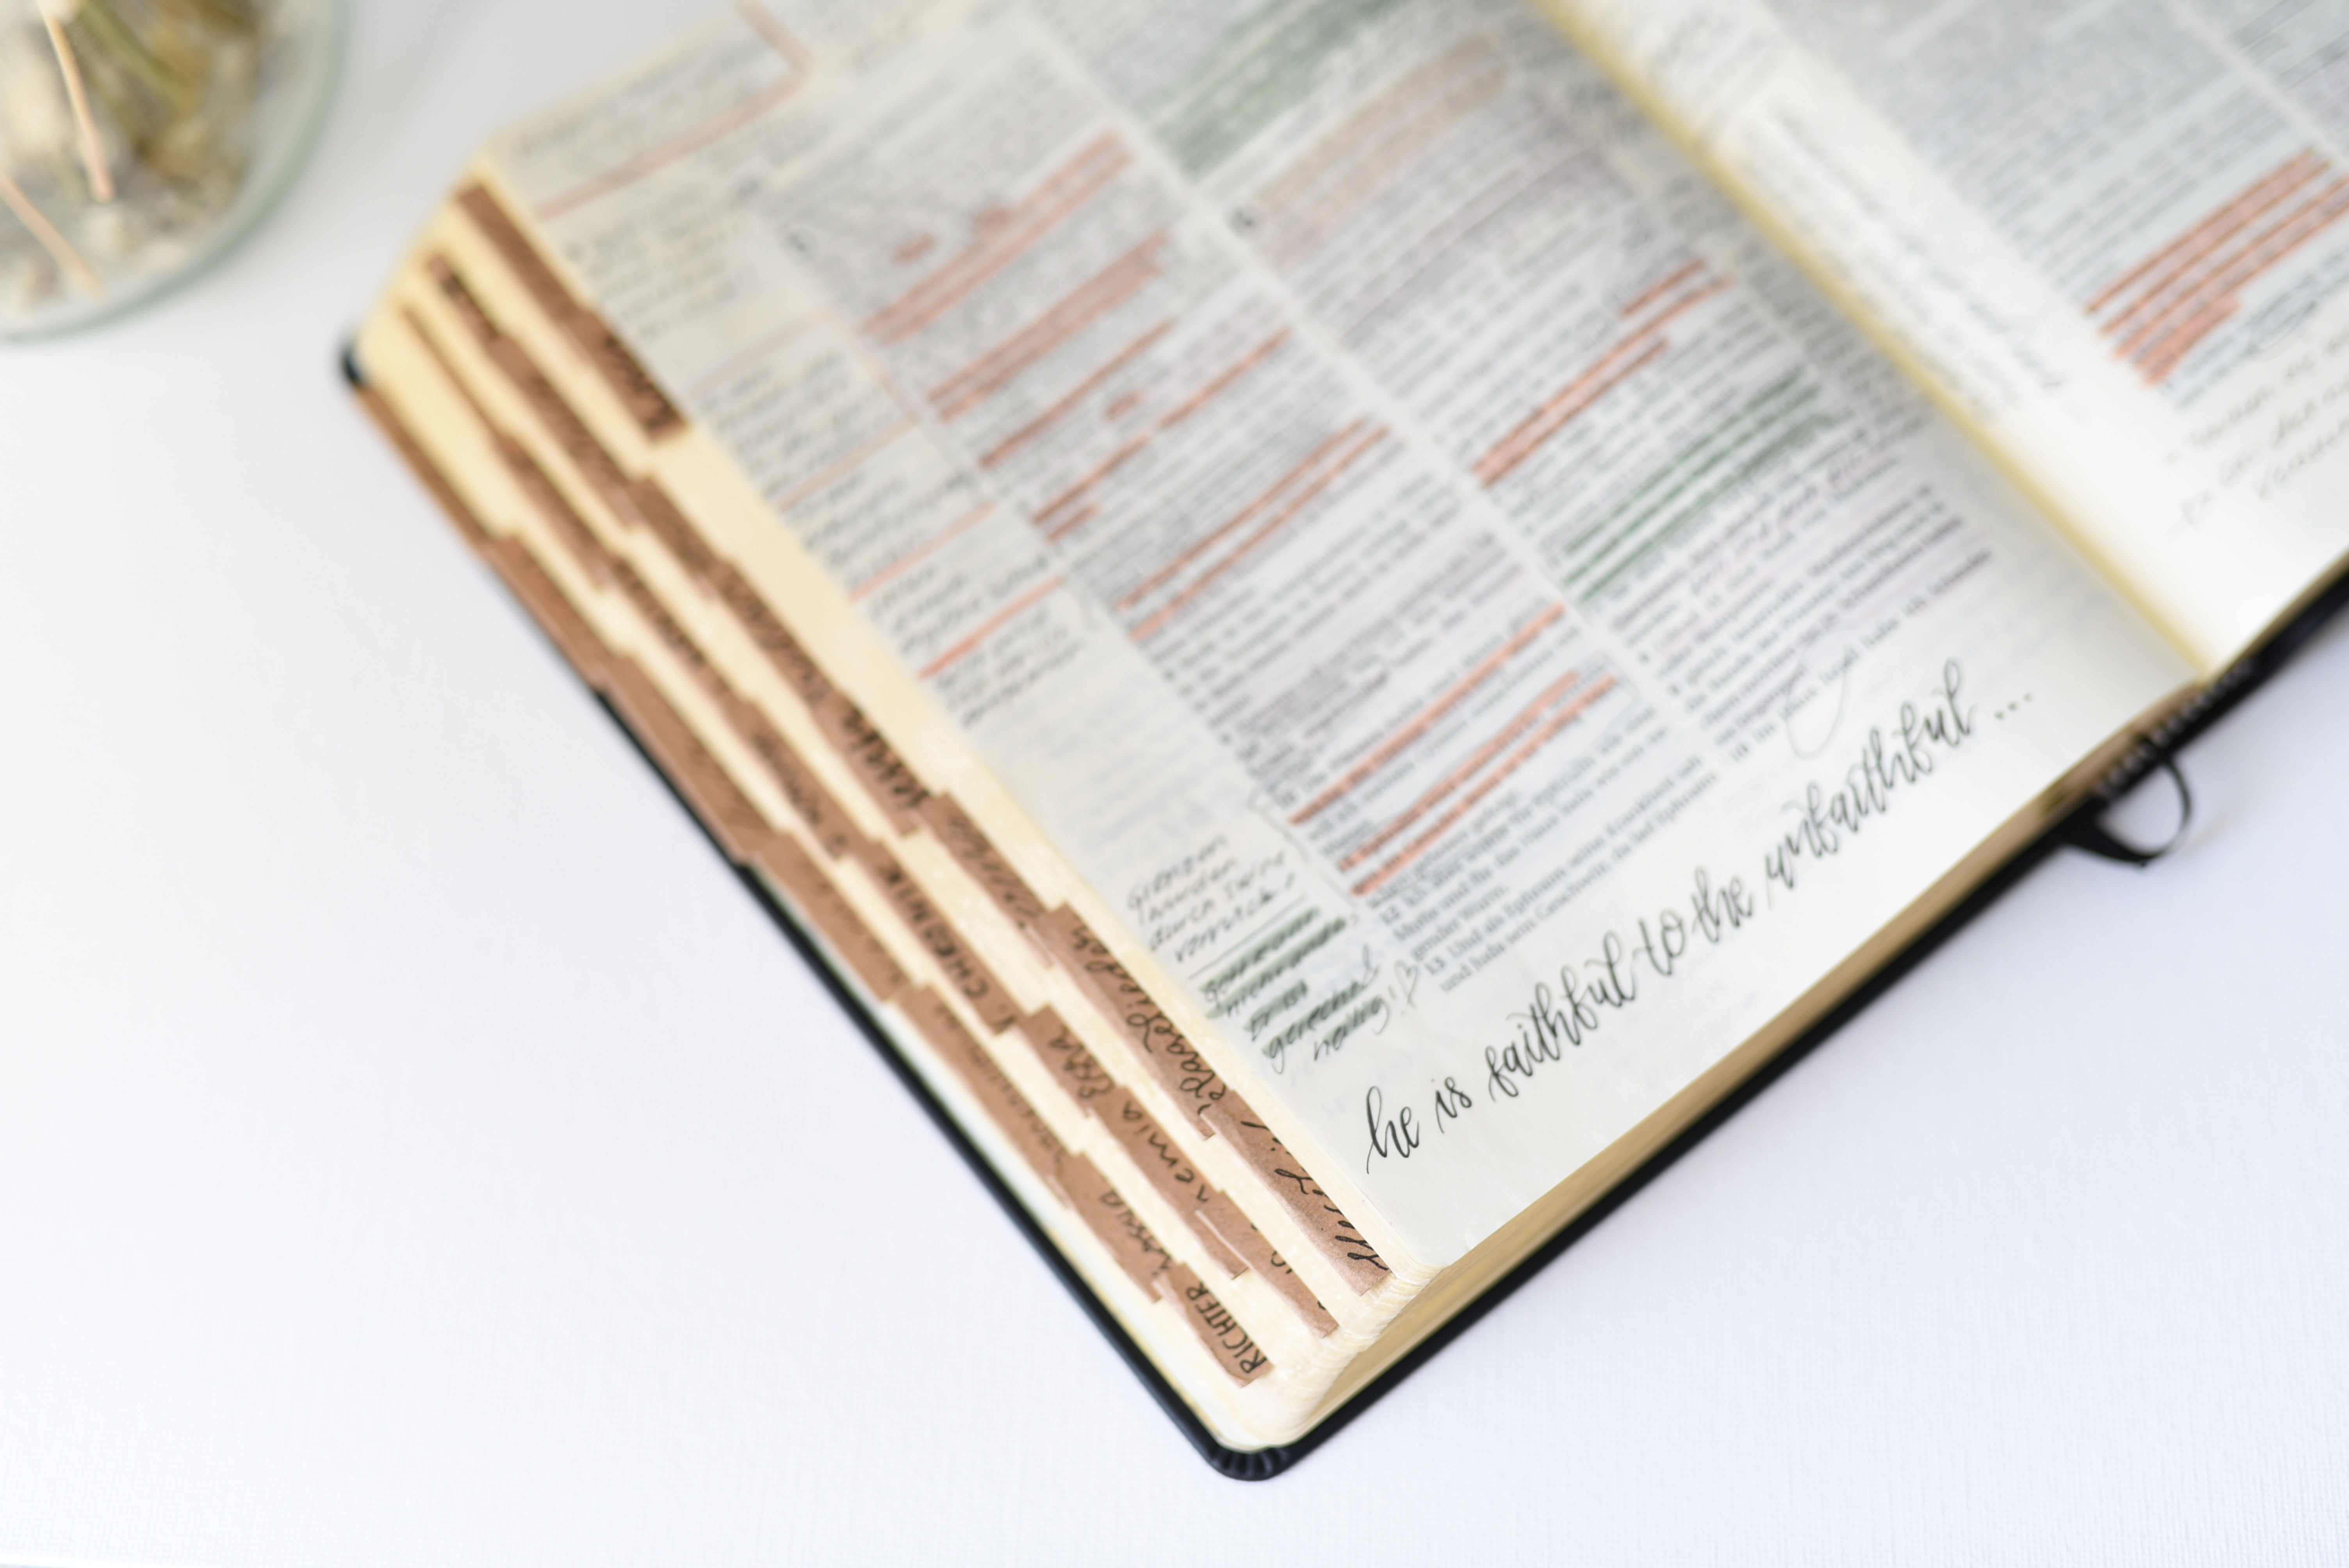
column 570, row 472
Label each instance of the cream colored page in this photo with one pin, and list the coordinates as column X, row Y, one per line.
column 2108, row 232
column 1478, row 619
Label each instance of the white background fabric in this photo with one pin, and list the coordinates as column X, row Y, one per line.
column 416, row 1148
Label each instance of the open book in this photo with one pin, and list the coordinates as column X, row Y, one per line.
column 1338, row 616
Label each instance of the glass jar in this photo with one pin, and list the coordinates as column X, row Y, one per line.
column 141, row 138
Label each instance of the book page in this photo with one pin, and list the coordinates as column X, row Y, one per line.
column 1480, row 624
column 2107, row 233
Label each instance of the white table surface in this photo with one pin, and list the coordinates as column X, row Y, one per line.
column 416, row 1148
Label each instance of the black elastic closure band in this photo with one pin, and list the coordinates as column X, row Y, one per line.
column 2089, row 832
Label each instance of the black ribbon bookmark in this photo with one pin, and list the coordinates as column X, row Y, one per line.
column 2087, row 831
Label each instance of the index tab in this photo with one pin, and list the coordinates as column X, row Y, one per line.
column 1071, row 1061
column 555, row 508
column 1171, row 1058
column 638, row 392
column 664, row 626
column 672, row 526
column 1009, row 1110
column 1239, row 1233
column 977, row 853
column 894, row 786
column 1333, row 1234
column 788, row 656
column 552, row 609
column 715, row 798
column 818, row 901
column 805, row 793
column 1112, row 1219
column 1226, row 1337
column 964, row 969
column 1170, row 1171
column 561, row 423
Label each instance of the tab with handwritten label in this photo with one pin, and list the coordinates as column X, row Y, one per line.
column 1112, row 1219
column 817, row 900
column 977, row 853
column 1226, row 1338
column 1171, row 1058
column 1013, row 1115
column 1333, row 1235
column 647, row 404
column 964, row 970
column 716, row 800
column 1170, row 1171
column 1239, row 1233
column 1070, row 1060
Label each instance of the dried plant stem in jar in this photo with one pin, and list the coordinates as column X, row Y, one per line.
column 128, row 130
